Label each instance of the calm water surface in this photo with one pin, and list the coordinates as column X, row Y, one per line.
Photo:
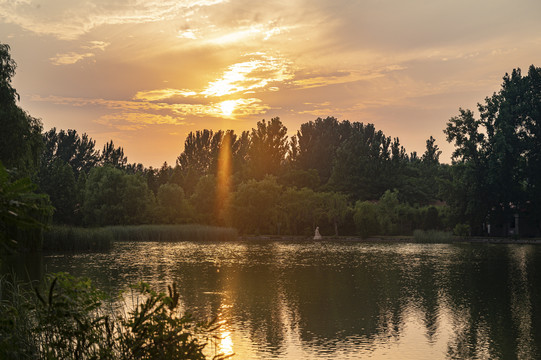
column 339, row 300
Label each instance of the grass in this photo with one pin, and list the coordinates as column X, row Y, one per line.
column 76, row 239
column 171, row 233
column 64, row 238
column 432, row 236
column 68, row 318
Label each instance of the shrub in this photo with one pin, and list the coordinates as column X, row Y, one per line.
column 462, row 230
column 366, row 218
column 68, row 318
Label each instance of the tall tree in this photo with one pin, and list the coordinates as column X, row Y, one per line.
column 199, row 157
column 58, row 181
column 336, row 208
column 512, row 118
column 197, row 153
column 497, row 157
column 360, row 163
column 113, row 197
column 76, row 150
column 468, row 192
column 172, row 207
column 20, row 138
column 268, row 148
column 316, row 144
column 113, row 156
column 255, row 206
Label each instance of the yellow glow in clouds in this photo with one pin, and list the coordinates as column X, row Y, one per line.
column 228, row 107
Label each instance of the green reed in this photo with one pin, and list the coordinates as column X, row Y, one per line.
column 66, row 317
column 171, row 233
column 76, row 239
column 64, row 238
column 433, row 236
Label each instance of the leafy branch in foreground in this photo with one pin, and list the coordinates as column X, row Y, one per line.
column 68, row 318
column 21, row 209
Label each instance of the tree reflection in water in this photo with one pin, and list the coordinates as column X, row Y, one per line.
column 339, row 300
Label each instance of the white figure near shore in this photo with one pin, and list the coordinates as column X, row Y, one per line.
column 317, row 235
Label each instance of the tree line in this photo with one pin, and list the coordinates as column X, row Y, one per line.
column 348, row 178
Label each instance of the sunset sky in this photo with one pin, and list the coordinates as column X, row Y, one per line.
column 147, row 72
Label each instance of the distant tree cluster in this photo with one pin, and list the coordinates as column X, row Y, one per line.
column 275, row 185
column 346, row 177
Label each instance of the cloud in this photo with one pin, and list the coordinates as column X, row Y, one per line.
column 71, row 19
column 69, row 58
column 134, row 115
column 137, row 121
column 257, row 31
column 187, row 34
column 305, row 79
column 162, row 94
column 100, row 45
column 257, row 73
column 73, row 57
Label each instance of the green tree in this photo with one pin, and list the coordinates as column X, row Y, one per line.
column 199, row 155
column 360, row 164
column 336, row 208
column 201, row 152
column 20, row 138
column 316, row 144
column 58, row 181
column 172, row 207
column 366, row 218
column 113, row 156
column 113, row 197
column 300, row 178
column 77, row 151
column 255, row 206
column 431, row 219
column 268, row 148
column 388, row 212
column 511, row 119
column 23, row 213
column 468, row 191
column 496, row 158
column 299, row 210
column 203, row 200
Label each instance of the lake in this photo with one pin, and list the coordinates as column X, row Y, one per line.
column 337, row 300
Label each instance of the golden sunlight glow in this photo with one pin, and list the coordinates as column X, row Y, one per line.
column 226, row 343
column 225, row 165
column 237, row 35
column 250, row 75
column 264, row 31
column 228, row 107
column 232, row 80
column 162, row 94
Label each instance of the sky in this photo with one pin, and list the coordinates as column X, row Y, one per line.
column 145, row 73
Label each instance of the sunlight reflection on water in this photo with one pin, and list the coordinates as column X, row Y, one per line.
column 341, row 300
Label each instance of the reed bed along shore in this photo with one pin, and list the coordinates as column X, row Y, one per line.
column 67, row 238
column 76, row 239
column 172, row 233
column 433, row 236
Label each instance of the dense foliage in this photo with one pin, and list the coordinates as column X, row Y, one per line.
column 348, row 178
column 68, row 318
column 23, row 213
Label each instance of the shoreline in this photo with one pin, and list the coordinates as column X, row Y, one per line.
column 389, row 239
